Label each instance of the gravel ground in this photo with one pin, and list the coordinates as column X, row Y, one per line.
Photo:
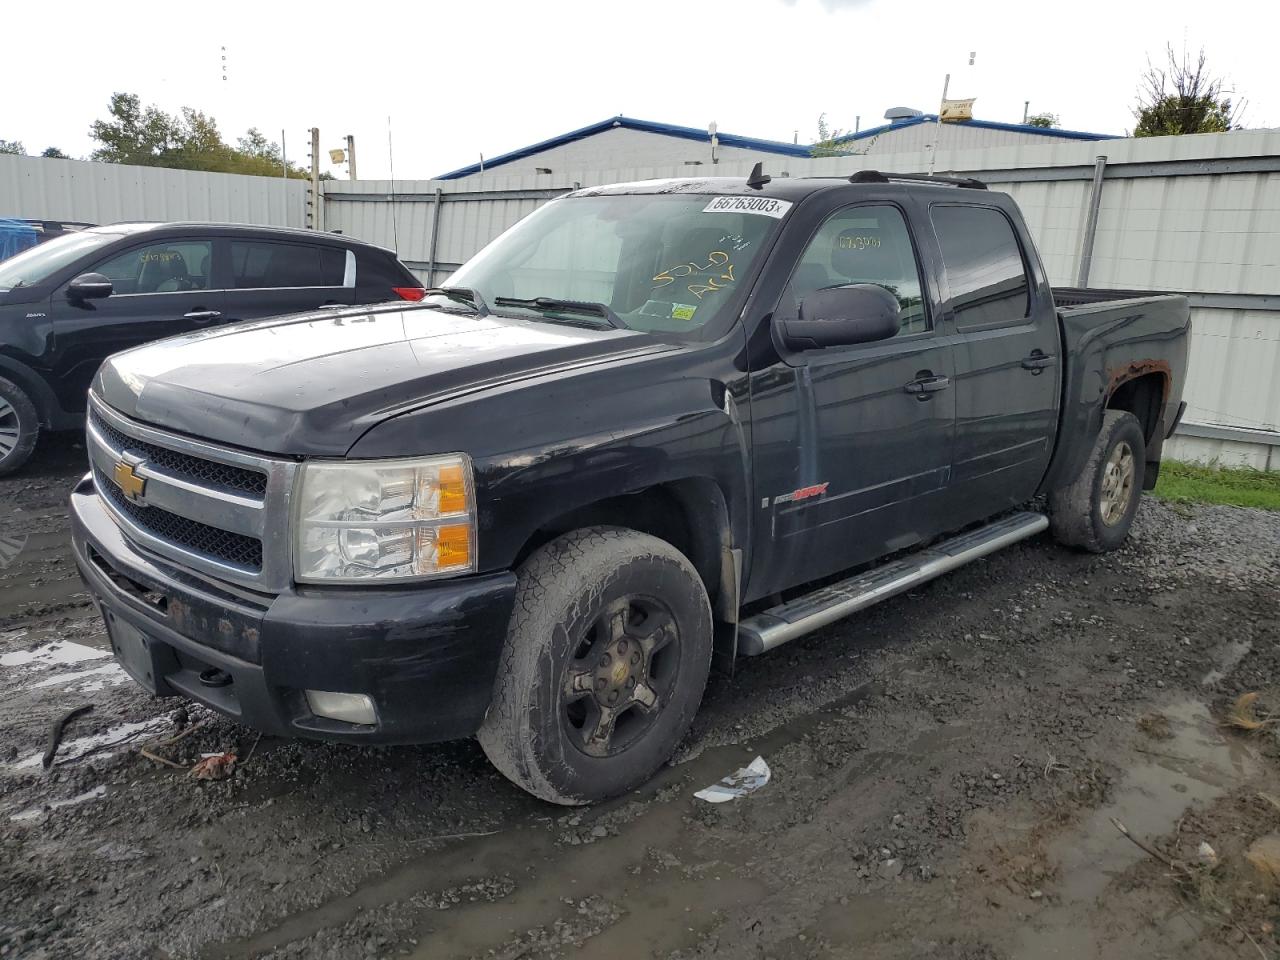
column 946, row 768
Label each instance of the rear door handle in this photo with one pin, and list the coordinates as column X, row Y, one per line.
column 202, row 316
column 1038, row 361
column 924, row 387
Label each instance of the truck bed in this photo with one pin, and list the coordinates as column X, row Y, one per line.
column 1112, row 337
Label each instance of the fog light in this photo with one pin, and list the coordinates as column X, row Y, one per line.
column 348, row 707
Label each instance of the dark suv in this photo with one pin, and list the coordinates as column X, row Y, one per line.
column 68, row 304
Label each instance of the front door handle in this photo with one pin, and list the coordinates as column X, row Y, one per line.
column 1038, row 361
column 925, row 387
column 202, row 316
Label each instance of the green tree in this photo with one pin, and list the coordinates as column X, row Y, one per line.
column 13, row 147
column 1183, row 97
column 53, row 153
column 149, row 137
column 825, row 145
column 1046, row 120
column 134, row 135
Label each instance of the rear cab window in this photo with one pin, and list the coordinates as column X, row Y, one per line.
column 985, row 268
column 269, row 264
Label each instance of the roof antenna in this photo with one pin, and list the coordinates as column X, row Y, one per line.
column 757, row 178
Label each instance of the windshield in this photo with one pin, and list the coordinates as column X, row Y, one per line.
column 670, row 263
column 42, row 261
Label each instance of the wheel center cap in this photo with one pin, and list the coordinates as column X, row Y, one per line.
column 619, row 673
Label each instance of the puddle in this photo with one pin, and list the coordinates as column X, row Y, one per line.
column 87, row 681
column 35, row 813
column 1197, row 765
column 102, row 744
column 58, row 653
column 664, row 905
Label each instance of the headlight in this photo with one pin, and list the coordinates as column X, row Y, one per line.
column 384, row 519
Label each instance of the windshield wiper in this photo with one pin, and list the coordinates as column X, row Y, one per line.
column 602, row 310
column 461, row 295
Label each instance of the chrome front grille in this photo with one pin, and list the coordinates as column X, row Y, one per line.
column 233, row 548
column 209, row 472
column 213, row 509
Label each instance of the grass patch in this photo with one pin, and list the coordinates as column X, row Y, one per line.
column 1238, row 487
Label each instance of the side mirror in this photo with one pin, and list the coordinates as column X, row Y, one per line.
column 89, row 286
column 839, row 316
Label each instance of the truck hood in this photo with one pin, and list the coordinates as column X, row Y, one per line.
column 312, row 384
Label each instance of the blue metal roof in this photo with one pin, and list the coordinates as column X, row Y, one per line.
column 984, row 124
column 752, row 143
column 630, row 123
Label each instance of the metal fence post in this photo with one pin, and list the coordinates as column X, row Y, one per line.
column 1091, row 223
column 435, row 235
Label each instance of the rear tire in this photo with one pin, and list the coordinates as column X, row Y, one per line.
column 603, row 668
column 1096, row 510
column 19, row 427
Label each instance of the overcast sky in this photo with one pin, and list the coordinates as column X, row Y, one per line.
column 488, row 76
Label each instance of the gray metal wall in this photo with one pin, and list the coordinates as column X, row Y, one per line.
column 1198, row 214
column 42, row 189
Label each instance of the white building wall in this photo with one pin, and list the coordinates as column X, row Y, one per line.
column 623, row 147
column 618, row 147
column 948, row 136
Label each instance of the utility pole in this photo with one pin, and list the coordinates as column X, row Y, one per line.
column 1026, row 107
column 937, row 134
column 314, row 207
column 351, row 156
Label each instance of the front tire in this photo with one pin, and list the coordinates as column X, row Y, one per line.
column 19, row 427
column 1096, row 510
column 603, row 668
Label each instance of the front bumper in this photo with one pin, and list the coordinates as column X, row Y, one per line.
column 427, row 655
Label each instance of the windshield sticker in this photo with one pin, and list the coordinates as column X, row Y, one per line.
column 681, row 311
column 764, row 206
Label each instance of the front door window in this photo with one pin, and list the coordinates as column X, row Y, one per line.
column 173, row 267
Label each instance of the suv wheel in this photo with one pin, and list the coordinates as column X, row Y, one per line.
column 19, row 427
column 603, row 668
column 1097, row 509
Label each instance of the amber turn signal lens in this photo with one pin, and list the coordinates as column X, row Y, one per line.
column 453, row 489
column 453, row 547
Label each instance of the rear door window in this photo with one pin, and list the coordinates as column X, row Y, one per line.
column 984, row 266
column 263, row 265
column 174, row 266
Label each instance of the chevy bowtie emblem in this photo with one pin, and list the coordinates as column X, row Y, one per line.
column 127, row 479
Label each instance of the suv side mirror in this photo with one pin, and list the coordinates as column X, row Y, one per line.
column 89, row 286
column 839, row 316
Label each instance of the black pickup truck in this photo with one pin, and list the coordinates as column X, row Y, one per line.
column 652, row 425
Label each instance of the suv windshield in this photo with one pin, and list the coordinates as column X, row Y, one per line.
column 42, row 261
column 664, row 262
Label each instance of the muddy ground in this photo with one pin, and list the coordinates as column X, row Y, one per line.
column 946, row 769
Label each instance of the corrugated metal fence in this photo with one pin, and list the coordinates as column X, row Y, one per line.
column 45, row 189
column 1194, row 214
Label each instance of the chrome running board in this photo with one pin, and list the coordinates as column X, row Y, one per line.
column 826, row 605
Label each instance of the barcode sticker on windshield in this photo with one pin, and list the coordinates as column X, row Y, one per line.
column 765, row 206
